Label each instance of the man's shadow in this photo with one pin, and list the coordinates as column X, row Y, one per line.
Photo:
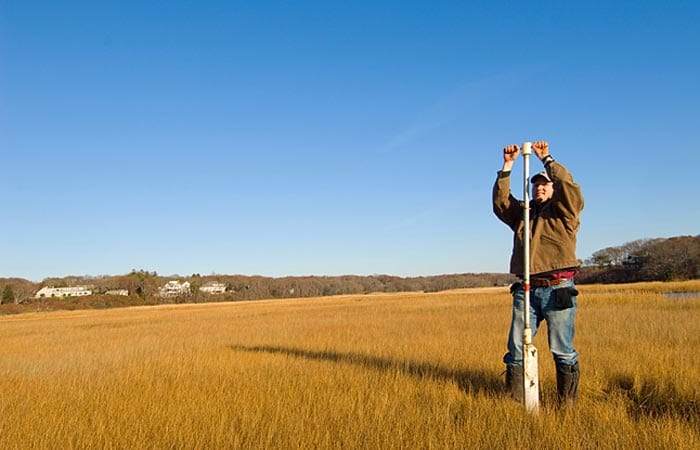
column 469, row 381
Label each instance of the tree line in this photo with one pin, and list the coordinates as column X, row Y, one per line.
column 143, row 286
column 659, row 259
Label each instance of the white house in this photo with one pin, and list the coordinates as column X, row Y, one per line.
column 124, row 292
column 213, row 288
column 76, row 291
column 174, row 288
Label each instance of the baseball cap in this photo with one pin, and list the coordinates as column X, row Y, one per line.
column 542, row 174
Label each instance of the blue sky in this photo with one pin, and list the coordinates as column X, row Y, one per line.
column 325, row 137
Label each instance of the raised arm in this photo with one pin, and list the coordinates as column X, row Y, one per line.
column 567, row 194
column 506, row 207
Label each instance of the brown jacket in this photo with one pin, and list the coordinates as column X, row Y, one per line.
column 553, row 225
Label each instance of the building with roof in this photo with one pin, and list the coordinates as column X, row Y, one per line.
column 174, row 289
column 73, row 291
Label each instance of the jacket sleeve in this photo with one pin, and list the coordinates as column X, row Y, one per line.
column 506, row 207
column 567, row 194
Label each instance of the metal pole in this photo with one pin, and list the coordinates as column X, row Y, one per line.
column 530, row 376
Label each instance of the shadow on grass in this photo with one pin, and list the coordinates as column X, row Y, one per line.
column 649, row 399
column 470, row 381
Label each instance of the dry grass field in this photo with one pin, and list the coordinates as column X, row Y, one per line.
column 377, row 371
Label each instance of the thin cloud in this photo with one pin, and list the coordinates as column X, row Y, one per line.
column 447, row 108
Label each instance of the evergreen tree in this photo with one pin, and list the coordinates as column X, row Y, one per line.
column 8, row 294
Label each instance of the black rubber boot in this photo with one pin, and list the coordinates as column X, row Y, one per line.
column 514, row 382
column 567, row 384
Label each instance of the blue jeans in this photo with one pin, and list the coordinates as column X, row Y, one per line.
column 560, row 324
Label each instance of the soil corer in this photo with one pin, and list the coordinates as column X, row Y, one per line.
column 531, row 397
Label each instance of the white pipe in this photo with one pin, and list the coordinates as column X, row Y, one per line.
column 527, row 150
column 531, row 394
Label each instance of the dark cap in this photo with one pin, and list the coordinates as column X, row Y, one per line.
column 542, row 174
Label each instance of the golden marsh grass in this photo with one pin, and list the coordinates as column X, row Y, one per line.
column 382, row 371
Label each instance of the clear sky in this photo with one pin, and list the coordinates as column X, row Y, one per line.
column 326, row 137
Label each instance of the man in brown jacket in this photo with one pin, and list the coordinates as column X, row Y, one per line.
column 554, row 221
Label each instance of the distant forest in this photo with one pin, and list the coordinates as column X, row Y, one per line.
column 676, row 258
column 18, row 294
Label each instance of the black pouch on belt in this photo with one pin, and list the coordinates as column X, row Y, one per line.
column 515, row 286
column 563, row 299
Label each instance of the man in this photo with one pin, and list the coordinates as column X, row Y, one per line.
column 554, row 221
